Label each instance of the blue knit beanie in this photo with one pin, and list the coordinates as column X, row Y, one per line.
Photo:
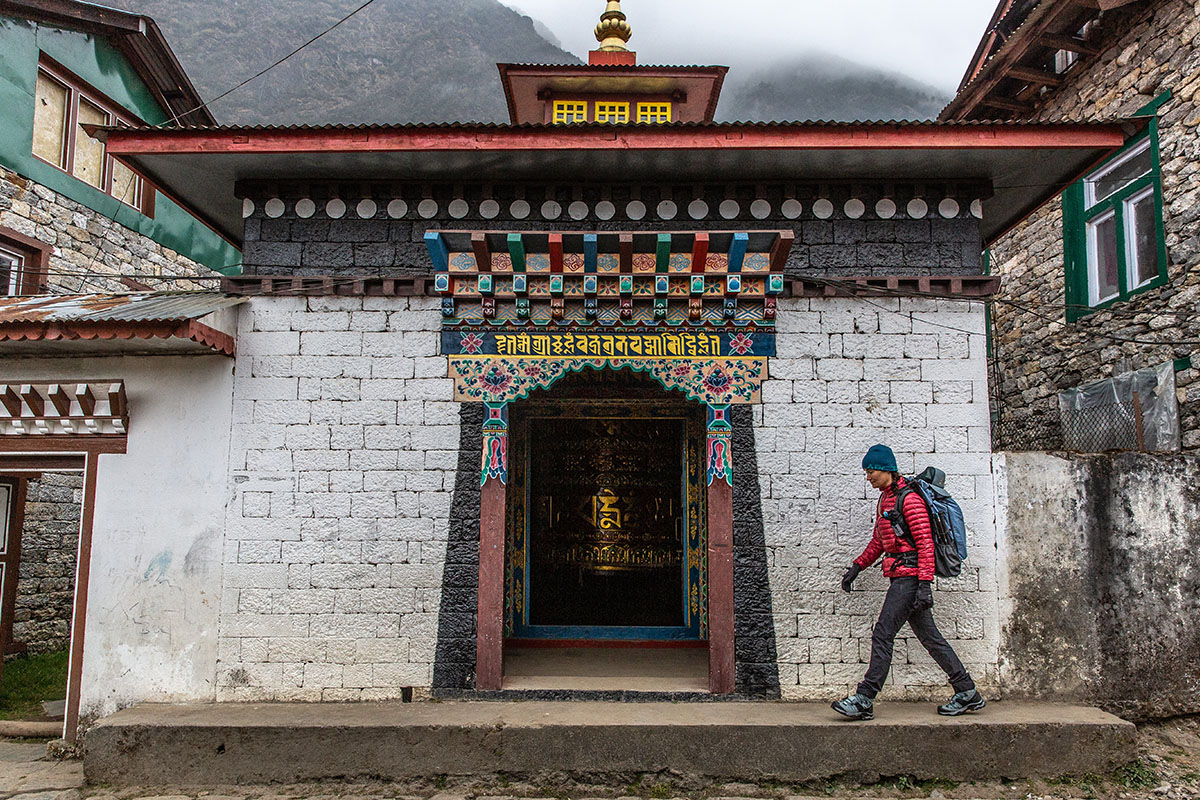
column 880, row 457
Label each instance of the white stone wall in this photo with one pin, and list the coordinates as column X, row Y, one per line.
column 342, row 463
column 912, row 374
column 344, row 447
column 155, row 580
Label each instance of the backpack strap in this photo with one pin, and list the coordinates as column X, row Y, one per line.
column 896, row 516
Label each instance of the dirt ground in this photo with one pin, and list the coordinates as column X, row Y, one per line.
column 1168, row 769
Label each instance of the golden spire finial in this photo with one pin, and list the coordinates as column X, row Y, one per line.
column 613, row 32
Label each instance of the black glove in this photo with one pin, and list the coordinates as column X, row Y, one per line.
column 924, row 598
column 849, row 577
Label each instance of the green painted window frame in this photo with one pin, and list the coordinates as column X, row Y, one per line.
column 1077, row 215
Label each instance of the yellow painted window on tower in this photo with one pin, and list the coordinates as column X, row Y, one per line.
column 654, row 113
column 613, row 113
column 567, row 111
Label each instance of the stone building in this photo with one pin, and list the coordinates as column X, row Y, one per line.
column 503, row 397
column 1102, row 280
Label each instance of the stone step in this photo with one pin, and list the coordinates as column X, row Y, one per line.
column 228, row 743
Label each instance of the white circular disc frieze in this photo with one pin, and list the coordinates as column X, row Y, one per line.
column 792, row 208
column 948, row 208
column 854, row 208
column 551, row 209
column 697, row 209
column 822, row 209
column 729, row 209
column 489, row 209
column 305, row 208
column 274, row 208
column 577, row 210
column 335, row 208
column 977, row 209
column 247, row 208
column 605, row 210
column 397, row 208
column 366, row 209
column 917, row 208
column 427, row 208
column 667, row 209
column 760, row 209
column 458, row 208
column 636, row 209
column 519, row 209
column 885, row 208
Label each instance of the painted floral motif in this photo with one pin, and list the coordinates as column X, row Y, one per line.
column 742, row 343
column 712, row 381
column 472, row 343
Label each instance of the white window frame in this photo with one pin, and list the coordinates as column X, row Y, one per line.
column 17, row 270
column 1131, row 235
column 1089, row 183
column 1094, row 260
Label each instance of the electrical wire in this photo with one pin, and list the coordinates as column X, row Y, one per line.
column 262, row 72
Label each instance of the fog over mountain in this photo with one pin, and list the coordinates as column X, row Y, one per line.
column 434, row 61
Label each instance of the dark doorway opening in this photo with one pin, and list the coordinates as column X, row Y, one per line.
column 606, row 522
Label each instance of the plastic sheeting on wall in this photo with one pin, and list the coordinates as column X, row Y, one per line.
column 1133, row 411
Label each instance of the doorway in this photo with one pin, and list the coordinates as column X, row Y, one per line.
column 606, row 563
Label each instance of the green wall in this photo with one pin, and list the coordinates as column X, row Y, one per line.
column 102, row 66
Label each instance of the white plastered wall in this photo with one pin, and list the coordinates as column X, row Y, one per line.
column 153, row 599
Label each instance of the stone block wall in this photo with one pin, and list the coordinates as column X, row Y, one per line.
column 910, row 373
column 348, row 460
column 49, row 548
column 91, row 253
column 1147, row 49
column 344, row 448
column 840, row 230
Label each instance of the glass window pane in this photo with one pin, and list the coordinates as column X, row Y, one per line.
column 1110, row 181
column 1142, row 220
column 124, row 183
column 50, row 120
column 10, row 272
column 1102, row 257
column 89, row 152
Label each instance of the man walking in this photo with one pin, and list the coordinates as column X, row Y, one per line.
column 905, row 540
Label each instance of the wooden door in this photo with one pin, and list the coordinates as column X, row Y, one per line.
column 11, row 501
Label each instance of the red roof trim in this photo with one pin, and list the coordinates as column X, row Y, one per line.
column 191, row 330
column 815, row 136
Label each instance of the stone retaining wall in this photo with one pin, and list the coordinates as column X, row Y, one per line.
column 49, row 547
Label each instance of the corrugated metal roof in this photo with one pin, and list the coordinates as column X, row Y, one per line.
column 528, row 126
column 135, row 307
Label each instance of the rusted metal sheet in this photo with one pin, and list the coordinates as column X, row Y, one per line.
column 139, row 307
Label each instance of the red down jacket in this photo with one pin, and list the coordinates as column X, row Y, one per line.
column 884, row 539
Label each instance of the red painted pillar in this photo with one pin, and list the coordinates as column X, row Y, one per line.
column 721, row 676
column 489, row 635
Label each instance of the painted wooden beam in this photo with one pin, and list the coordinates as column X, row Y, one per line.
column 516, row 249
column 590, row 252
column 438, row 251
column 483, row 253
column 700, row 252
column 781, row 250
column 737, row 251
column 556, row 253
column 626, row 245
column 37, row 405
column 662, row 253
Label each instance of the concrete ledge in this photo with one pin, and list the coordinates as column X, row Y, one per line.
column 210, row 745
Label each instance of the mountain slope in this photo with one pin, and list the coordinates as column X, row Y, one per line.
column 817, row 86
column 402, row 61
column 395, row 61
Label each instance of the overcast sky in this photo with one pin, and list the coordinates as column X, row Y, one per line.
column 930, row 40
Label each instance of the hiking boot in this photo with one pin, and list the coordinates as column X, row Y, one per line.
column 963, row 702
column 856, row 706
